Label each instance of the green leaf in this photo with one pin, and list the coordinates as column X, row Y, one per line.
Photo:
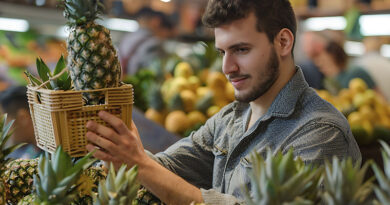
column 60, row 66
column 43, row 71
column 33, row 80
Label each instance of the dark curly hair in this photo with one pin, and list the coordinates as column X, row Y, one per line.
column 272, row 15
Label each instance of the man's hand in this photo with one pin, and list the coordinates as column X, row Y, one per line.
column 118, row 144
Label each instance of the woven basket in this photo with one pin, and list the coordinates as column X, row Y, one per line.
column 59, row 117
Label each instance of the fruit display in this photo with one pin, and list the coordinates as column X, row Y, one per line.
column 19, row 50
column 185, row 100
column 367, row 112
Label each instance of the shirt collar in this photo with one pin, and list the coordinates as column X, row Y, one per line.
column 285, row 101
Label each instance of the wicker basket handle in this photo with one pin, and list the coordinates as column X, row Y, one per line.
column 52, row 78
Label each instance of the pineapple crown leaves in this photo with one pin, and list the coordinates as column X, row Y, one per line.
column 59, row 79
column 5, row 135
column 57, row 177
column 119, row 188
column 344, row 182
column 383, row 191
column 81, row 12
column 280, row 179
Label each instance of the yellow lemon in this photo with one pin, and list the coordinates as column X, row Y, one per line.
column 196, row 117
column 229, row 92
column 194, row 83
column 183, row 69
column 357, row 85
column 189, row 99
column 155, row 116
column 202, row 91
column 177, row 122
column 213, row 110
column 216, row 81
column 355, row 118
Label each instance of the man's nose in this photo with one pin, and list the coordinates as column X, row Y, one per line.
column 229, row 64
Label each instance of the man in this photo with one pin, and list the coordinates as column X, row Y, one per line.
column 14, row 102
column 275, row 108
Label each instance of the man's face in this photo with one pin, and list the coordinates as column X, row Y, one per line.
column 250, row 61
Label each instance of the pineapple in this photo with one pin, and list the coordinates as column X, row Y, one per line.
column 89, row 182
column 92, row 59
column 145, row 197
column 344, row 183
column 57, row 178
column 119, row 188
column 280, row 179
column 382, row 191
column 19, row 178
column 4, row 152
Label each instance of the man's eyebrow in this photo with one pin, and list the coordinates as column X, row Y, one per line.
column 237, row 45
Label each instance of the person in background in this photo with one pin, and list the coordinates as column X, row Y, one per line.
column 13, row 101
column 312, row 45
column 274, row 108
column 138, row 49
column 376, row 65
column 333, row 63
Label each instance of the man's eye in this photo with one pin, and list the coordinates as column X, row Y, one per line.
column 242, row 50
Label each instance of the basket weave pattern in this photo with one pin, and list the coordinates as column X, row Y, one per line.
column 59, row 117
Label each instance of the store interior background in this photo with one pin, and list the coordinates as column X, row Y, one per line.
column 37, row 28
column 44, row 19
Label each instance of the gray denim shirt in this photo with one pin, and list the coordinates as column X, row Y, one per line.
column 215, row 158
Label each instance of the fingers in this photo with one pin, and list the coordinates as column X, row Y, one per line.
column 101, row 142
column 115, row 122
column 134, row 128
column 99, row 153
column 103, row 131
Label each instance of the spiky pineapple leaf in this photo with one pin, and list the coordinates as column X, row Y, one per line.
column 280, row 179
column 43, row 71
column 33, row 80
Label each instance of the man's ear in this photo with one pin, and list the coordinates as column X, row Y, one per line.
column 284, row 42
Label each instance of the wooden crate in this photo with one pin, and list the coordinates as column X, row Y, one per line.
column 59, row 117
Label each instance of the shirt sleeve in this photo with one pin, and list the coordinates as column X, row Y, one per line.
column 192, row 158
column 318, row 142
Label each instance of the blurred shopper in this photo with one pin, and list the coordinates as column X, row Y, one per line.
column 274, row 108
column 138, row 49
column 313, row 44
column 14, row 102
column 333, row 63
column 376, row 65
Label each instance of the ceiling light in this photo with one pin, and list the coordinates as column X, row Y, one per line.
column 321, row 23
column 375, row 25
column 353, row 48
column 385, row 50
column 9, row 24
column 121, row 24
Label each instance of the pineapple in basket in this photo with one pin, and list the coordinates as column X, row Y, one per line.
column 92, row 59
column 4, row 152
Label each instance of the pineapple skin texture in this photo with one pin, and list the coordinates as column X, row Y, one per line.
column 92, row 60
column 18, row 178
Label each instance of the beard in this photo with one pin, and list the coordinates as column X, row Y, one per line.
column 263, row 79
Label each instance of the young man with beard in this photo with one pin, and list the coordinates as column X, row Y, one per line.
column 274, row 108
